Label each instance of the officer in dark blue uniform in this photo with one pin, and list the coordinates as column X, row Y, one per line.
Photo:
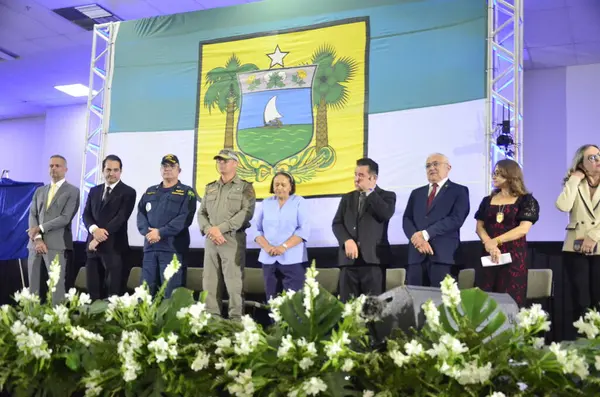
column 165, row 214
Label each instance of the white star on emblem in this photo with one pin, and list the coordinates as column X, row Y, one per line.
column 277, row 57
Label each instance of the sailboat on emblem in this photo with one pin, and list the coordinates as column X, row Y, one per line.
column 271, row 116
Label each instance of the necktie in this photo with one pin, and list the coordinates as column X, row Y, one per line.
column 106, row 194
column 361, row 201
column 50, row 195
column 432, row 195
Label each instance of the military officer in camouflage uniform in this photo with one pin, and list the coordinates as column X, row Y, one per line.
column 225, row 213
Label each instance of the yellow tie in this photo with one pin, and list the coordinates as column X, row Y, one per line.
column 50, row 195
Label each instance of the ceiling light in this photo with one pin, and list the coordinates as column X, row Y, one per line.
column 93, row 11
column 76, row 90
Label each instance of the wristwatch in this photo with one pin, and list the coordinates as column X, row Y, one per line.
column 284, row 245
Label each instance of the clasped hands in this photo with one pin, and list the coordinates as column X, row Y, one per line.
column 491, row 247
column 153, row 236
column 38, row 244
column 215, row 235
column 100, row 236
column 275, row 251
column 420, row 244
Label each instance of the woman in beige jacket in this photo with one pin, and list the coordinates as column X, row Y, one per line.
column 580, row 197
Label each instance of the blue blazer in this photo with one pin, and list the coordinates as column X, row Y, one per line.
column 442, row 221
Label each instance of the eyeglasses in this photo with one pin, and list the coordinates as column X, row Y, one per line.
column 594, row 157
column 435, row 164
column 168, row 166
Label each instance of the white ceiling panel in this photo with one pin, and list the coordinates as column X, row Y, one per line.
column 543, row 4
column 41, row 15
column 20, row 47
column 130, row 9
column 585, row 22
column 553, row 56
column 53, row 42
column 22, row 25
column 547, row 28
column 175, row 7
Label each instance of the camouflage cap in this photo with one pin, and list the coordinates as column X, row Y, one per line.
column 227, row 154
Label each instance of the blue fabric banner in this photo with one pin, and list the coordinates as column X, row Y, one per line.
column 15, row 199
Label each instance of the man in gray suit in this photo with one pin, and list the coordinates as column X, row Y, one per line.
column 53, row 208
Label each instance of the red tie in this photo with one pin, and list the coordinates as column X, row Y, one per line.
column 432, row 195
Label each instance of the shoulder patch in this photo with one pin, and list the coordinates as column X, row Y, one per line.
column 191, row 193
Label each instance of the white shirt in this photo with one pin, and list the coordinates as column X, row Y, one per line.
column 58, row 185
column 439, row 185
column 112, row 188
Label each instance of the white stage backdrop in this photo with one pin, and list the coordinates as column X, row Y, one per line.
column 399, row 141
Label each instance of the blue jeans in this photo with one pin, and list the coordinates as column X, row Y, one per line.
column 153, row 269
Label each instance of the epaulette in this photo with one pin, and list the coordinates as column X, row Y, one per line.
column 210, row 183
column 152, row 189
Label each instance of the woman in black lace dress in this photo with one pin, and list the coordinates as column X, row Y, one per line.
column 503, row 220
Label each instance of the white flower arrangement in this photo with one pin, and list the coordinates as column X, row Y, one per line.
column 317, row 346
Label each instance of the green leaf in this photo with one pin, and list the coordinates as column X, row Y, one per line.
column 324, row 55
column 73, row 360
column 477, row 309
column 327, row 313
column 344, row 69
column 97, row 307
column 334, row 93
column 180, row 298
column 292, row 312
column 202, row 297
column 337, row 385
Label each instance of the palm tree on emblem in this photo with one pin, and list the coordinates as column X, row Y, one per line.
column 328, row 88
column 224, row 92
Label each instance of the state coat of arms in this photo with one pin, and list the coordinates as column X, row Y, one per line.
column 292, row 101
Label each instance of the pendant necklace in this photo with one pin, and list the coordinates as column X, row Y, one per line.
column 500, row 215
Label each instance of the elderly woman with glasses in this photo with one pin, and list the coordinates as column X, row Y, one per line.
column 283, row 226
column 580, row 197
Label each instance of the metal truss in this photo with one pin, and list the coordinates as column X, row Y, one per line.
column 97, row 114
column 504, row 81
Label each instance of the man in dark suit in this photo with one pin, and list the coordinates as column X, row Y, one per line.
column 432, row 220
column 105, row 216
column 361, row 227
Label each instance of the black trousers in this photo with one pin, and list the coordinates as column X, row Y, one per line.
column 582, row 276
column 360, row 278
column 105, row 274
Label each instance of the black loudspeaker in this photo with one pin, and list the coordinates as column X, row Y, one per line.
column 403, row 309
